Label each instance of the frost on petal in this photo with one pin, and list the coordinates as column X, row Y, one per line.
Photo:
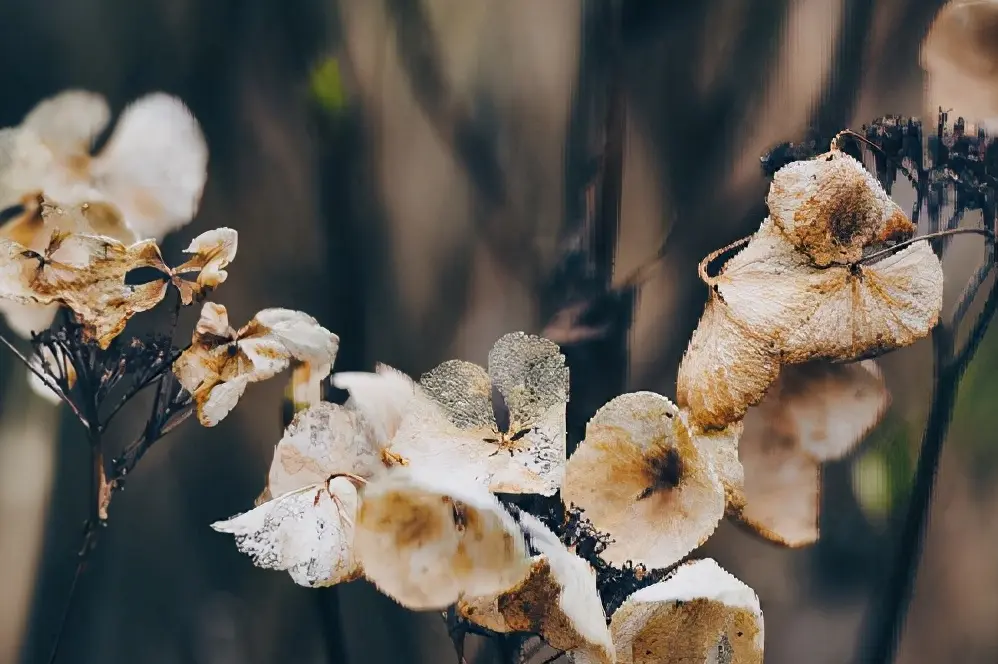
column 505, row 427
column 640, row 478
column 221, row 361
column 833, row 209
column 558, row 600
column 308, row 532
column 871, row 309
column 322, row 440
column 725, row 370
column 699, row 614
column 213, row 251
column 427, row 538
column 382, row 398
column 154, row 166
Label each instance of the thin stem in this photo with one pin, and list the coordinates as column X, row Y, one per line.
column 928, row 236
column 979, row 330
column 166, row 366
column 46, row 380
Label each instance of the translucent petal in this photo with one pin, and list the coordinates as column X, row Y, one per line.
column 321, row 441
column 308, row 532
column 640, row 478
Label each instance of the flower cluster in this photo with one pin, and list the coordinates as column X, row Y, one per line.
column 455, row 491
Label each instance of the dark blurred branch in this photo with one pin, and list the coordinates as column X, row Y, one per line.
column 971, row 178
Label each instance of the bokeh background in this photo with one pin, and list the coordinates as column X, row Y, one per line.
column 402, row 170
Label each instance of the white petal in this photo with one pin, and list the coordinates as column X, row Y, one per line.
column 425, row 540
column 322, row 440
column 154, row 166
column 308, row 532
column 69, row 122
column 382, row 398
column 640, row 478
column 302, row 335
column 699, row 614
column 221, row 400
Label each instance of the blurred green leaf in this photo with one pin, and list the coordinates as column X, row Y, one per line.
column 882, row 474
column 326, row 86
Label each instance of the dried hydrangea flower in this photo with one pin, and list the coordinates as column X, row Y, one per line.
column 814, row 413
column 640, row 478
column 770, row 306
column 33, row 229
column 87, row 274
column 506, row 427
column 558, row 600
column 213, row 251
column 426, row 538
column 699, row 614
column 832, row 209
column 722, row 446
column 308, row 531
column 222, row 361
column 152, row 169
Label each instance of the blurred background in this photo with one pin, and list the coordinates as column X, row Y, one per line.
column 412, row 173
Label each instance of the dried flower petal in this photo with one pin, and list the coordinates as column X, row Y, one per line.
column 832, row 209
column 213, row 251
column 722, row 446
column 154, row 166
column 699, row 614
column 87, row 274
column 770, row 305
column 815, row 412
column 558, row 600
column 152, row 169
column 506, row 427
column 640, row 478
column 383, row 398
column 221, row 362
column 308, row 532
column 321, row 441
column 427, row 539
column 725, row 370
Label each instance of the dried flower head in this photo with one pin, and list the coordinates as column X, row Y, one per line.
column 557, row 600
column 505, row 427
column 772, row 306
column 153, row 168
column 815, row 412
column 426, row 539
column 212, row 252
column 642, row 479
column 222, row 361
column 699, row 614
column 87, row 274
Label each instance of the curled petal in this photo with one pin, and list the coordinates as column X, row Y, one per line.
column 699, row 614
column 426, row 540
column 308, row 532
column 640, row 478
column 213, row 251
column 558, row 600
